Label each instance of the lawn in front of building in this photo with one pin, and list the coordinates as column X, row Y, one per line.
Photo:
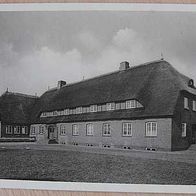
column 72, row 166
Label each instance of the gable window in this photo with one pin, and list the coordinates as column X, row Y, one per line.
column 62, row 130
column 151, row 129
column 32, row 130
column 127, row 129
column 89, row 129
column 186, row 103
column 75, row 130
column 106, row 129
column 16, row 130
column 8, row 129
column 184, row 129
column 130, row 104
column 24, row 130
column 194, row 105
column 93, row 108
column 110, row 106
column 41, row 130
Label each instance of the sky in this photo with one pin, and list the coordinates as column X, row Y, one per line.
column 37, row 49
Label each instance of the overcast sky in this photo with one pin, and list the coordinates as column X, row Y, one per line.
column 39, row 48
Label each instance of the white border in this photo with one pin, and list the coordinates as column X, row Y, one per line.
column 98, row 7
column 97, row 187
column 101, row 187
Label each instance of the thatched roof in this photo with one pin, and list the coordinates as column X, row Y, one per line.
column 15, row 107
column 156, row 85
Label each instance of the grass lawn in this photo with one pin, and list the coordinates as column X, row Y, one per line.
column 87, row 167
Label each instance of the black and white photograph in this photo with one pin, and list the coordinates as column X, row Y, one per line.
column 98, row 96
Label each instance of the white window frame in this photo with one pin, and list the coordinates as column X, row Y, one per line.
column 93, row 108
column 41, row 130
column 79, row 110
column 186, row 103
column 66, row 112
column 194, row 105
column 151, row 129
column 75, row 129
column 32, row 130
column 126, row 129
column 8, row 129
column 24, row 130
column 89, row 129
column 62, row 130
column 110, row 106
column 16, row 129
column 130, row 104
column 106, row 129
column 184, row 129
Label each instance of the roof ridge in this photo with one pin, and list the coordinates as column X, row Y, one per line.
column 107, row 74
column 20, row 94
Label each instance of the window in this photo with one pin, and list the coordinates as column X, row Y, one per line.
column 151, row 129
column 130, row 104
column 55, row 113
column 93, row 108
column 89, row 129
column 8, row 129
column 127, row 129
column 184, row 129
column 32, row 130
column 87, row 109
column 106, row 129
column 84, row 110
column 110, row 106
column 79, row 110
column 186, row 103
column 194, row 105
column 62, row 130
column 75, row 130
column 24, row 130
column 122, row 105
column 60, row 113
column 117, row 106
column 99, row 108
column 41, row 130
column 66, row 112
column 16, row 130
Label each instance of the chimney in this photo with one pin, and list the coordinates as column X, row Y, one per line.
column 124, row 66
column 61, row 83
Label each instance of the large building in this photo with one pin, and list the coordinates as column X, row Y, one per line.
column 151, row 106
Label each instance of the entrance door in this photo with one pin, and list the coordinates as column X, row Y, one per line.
column 51, row 135
column 194, row 134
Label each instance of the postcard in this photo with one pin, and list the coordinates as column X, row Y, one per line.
column 98, row 97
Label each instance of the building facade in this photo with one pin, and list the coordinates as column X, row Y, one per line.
column 151, row 106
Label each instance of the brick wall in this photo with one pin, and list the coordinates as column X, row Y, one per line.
column 182, row 115
column 138, row 139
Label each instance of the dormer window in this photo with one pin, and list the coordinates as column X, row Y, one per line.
column 66, row 112
column 130, row 104
column 110, row 106
column 186, row 103
column 93, row 108
column 79, row 110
